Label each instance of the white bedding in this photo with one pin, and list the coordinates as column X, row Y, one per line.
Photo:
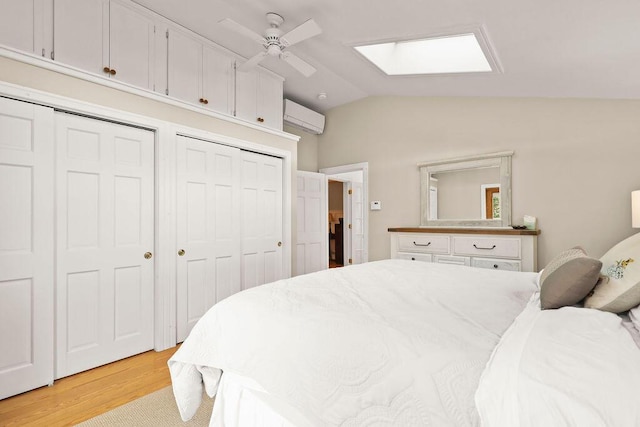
column 391, row 342
column 565, row 367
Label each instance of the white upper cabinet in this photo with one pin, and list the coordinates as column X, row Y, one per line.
column 80, row 33
column 123, row 41
column 199, row 72
column 131, row 47
column 259, row 97
column 103, row 37
column 24, row 24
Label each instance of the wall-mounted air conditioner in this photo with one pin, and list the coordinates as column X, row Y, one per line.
column 303, row 118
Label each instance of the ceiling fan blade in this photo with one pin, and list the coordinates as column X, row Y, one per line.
column 241, row 29
column 300, row 33
column 303, row 67
column 252, row 62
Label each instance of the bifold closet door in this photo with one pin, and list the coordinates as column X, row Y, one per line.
column 26, row 247
column 105, row 226
column 208, row 228
column 261, row 219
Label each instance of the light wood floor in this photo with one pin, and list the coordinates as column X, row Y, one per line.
column 82, row 396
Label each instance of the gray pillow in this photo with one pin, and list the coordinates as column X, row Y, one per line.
column 568, row 278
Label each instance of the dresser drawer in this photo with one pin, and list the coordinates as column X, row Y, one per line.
column 414, row 256
column 427, row 243
column 449, row 259
column 496, row 264
column 487, row 246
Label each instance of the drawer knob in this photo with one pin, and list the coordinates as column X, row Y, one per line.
column 421, row 244
column 495, row 265
column 413, row 258
column 480, row 247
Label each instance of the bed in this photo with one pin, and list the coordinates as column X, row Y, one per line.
column 406, row 343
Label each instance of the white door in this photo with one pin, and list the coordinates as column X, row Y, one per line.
column 22, row 25
column 26, row 247
column 311, row 250
column 208, row 220
column 261, row 219
column 184, row 60
column 81, row 33
column 356, row 226
column 131, row 46
column 105, row 226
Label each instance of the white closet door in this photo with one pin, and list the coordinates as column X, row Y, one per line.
column 208, row 252
column 26, row 247
column 261, row 219
column 357, row 223
column 105, row 225
column 311, row 250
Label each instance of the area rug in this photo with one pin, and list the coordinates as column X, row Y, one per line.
column 157, row 409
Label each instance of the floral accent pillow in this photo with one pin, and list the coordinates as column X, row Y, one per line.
column 619, row 288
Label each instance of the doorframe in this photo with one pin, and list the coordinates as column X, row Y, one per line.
column 354, row 167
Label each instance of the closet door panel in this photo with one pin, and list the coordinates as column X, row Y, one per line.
column 26, row 247
column 104, row 228
column 261, row 219
column 207, row 216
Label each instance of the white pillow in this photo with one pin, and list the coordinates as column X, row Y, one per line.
column 634, row 315
column 619, row 290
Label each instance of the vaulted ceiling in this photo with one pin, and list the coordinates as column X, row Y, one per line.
column 546, row 48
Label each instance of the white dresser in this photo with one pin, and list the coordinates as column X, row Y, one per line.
column 500, row 248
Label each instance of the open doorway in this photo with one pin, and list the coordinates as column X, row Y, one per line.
column 348, row 221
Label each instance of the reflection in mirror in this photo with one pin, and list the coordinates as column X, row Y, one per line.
column 469, row 191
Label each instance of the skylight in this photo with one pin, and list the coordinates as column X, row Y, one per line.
column 459, row 53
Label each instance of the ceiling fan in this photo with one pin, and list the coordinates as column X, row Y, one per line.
column 275, row 42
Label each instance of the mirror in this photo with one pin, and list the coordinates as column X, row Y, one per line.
column 470, row 191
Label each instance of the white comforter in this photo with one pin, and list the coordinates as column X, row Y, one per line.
column 567, row 367
column 390, row 342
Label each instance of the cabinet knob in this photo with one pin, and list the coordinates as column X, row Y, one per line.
column 148, row 255
column 181, row 252
column 260, row 119
column 206, row 101
column 112, row 72
column 106, row 69
column 201, row 100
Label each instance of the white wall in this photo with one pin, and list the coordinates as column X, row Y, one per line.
column 307, row 149
column 575, row 163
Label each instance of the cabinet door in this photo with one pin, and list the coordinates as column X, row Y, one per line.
column 81, row 33
column 184, row 60
column 269, row 101
column 22, row 25
column 208, row 228
column 261, row 219
column 217, row 79
column 131, row 46
column 105, row 284
column 247, row 95
column 26, row 247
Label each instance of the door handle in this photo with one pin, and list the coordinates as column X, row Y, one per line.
column 148, row 255
column 181, row 252
column 279, row 243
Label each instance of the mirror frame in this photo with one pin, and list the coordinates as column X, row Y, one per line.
column 501, row 159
